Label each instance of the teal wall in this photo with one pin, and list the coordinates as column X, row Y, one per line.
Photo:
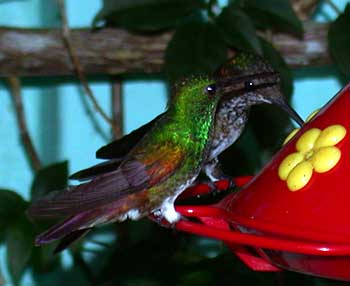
column 58, row 121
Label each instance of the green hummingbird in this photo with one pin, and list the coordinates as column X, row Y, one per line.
column 152, row 174
column 255, row 75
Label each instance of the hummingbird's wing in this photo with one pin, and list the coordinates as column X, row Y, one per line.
column 116, row 151
column 119, row 148
column 142, row 171
column 99, row 169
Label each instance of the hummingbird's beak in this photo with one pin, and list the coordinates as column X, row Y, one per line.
column 281, row 102
column 266, row 85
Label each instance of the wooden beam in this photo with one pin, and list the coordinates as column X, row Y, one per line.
column 40, row 52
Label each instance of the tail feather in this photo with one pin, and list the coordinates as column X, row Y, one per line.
column 60, row 230
column 74, row 227
column 70, row 238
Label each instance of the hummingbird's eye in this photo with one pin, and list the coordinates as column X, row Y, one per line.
column 211, row 89
column 248, row 85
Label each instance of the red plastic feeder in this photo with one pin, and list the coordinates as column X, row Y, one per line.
column 296, row 218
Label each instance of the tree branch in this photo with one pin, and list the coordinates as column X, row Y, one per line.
column 76, row 63
column 33, row 52
column 15, row 88
column 117, row 109
column 311, row 51
column 304, row 8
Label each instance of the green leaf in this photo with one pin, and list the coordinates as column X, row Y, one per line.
column 200, row 278
column 272, row 14
column 51, row 178
column 269, row 139
column 319, row 281
column 43, row 260
column 238, row 29
column 278, row 63
column 11, row 206
column 147, row 15
column 19, row 242
column 196, row 48
column 339, row 41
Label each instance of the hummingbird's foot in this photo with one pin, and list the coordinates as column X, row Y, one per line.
column 205, row 189
column 211, row 186
column 214, row 172
column 225, row 182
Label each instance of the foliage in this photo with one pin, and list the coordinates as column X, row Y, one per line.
column 135, row 15
column 142, row 253
column 16, row 228
column 207, row 49
column 204, row 34
column 339, row 41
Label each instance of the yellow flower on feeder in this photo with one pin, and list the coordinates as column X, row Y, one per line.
column 316, row 151
column 295, row 131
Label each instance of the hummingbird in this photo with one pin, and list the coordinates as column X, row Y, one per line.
column 255, row 76
column 151, row 175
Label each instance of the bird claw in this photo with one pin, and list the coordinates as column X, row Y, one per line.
column 225, row 182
